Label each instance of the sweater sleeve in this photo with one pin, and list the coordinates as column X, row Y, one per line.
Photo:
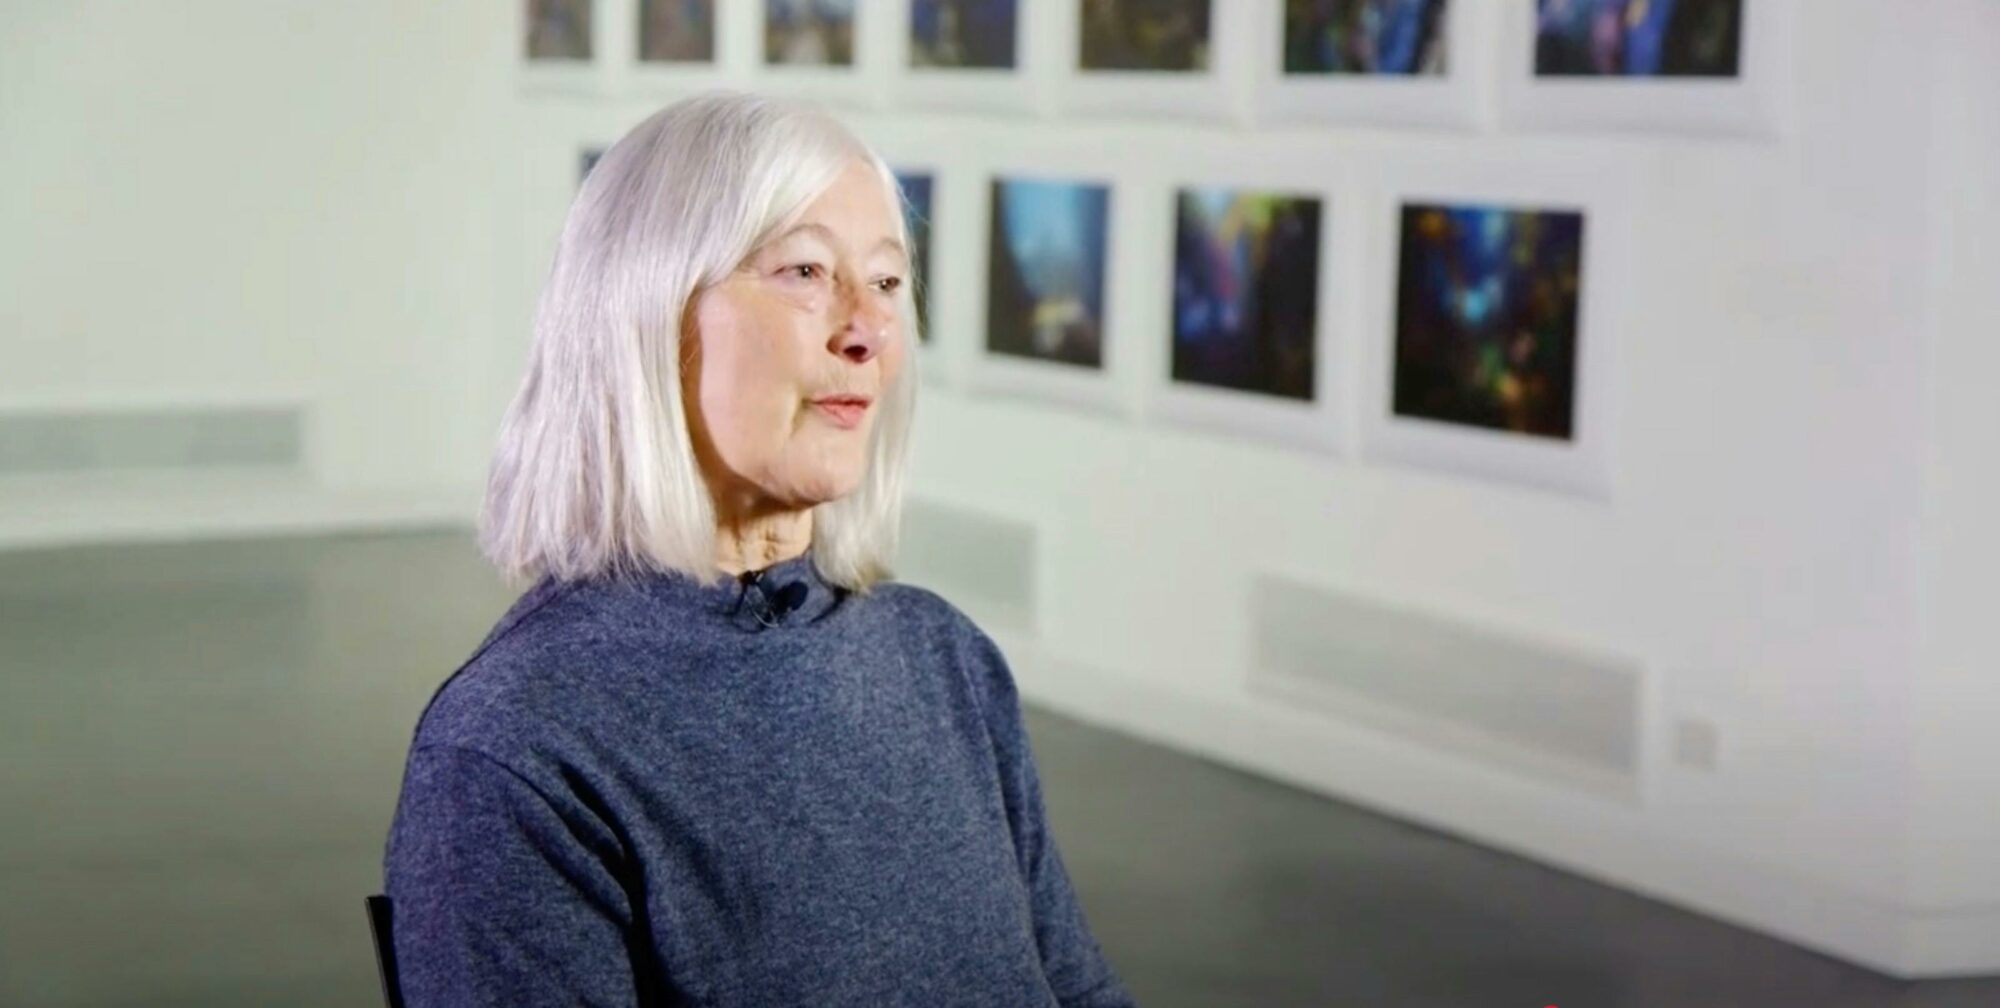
column 496, row 897
column 1071, row 960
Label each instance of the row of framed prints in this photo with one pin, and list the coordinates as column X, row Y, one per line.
column 1242, row 309
column 1673, row 65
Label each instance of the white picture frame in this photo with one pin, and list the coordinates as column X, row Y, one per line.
column 931, row 354
column 1020, row 90
column 588, row 77
column 861, row 86
column 1070, row 386
column 1102, row 389
column 960, row 176
column 1750, row 105
column 1456, row 99
column 1582, row 465
column 1214, row 94
column 729, row 66
column 1317, row 425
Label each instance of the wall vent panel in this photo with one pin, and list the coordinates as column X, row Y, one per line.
column 1547, row 710
column 194, row 438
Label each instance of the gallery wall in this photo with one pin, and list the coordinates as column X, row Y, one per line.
column 1955, row 824
column 218, row 204
column 1780, row 544
column 1749, row 555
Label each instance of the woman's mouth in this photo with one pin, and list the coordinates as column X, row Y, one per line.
column 845, row 411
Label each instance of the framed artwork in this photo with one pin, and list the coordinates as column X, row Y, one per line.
column 1380, row 62
column 1717, row 66
column 1365, row 38
column 809, row 33
column 1163, row 57
column 1163, row 36
column 558, row 31
column 1047, row 265
column 1487, row 302
column 679, row 46
column 1497, row 339
column 917, row 187
column 965, row 34
column 560, row 40
column 676, row 32
column 961, row 54
column 819, row 49
column 1245, row 352
column 1621, row 38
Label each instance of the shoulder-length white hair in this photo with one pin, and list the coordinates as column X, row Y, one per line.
column 595, row 472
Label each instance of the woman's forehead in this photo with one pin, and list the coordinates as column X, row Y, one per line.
column 859, row 193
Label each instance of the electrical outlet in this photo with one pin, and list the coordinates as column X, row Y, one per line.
column 1696, row 743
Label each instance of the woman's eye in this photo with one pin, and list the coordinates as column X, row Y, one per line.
column 804, row 271
column 888, row 285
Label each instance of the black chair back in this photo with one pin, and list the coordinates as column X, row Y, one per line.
column 381, row 924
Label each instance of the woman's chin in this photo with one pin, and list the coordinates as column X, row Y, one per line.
column 826, row 488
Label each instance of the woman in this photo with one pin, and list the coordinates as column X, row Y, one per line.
column 711, row 756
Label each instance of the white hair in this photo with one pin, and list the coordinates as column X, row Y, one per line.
column 595, row 471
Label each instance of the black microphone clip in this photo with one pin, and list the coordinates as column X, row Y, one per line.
column 774, row 606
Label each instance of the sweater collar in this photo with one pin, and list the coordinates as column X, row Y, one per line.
column 787, row 595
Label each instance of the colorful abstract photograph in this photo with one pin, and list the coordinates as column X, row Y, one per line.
column 809, row 32
column 1405, row 37
column 1638, row 38
column 1486, row 317
column 558, row 29
column 677, row 31
column 963, row 33
column 1246, row 291
column 1045, row 263
column 917, row 216
column 1144, row 35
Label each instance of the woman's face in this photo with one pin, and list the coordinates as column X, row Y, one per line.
column 791, row 354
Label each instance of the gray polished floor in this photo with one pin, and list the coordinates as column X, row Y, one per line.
column 201, row 745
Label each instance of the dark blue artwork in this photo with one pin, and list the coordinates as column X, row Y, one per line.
column 1638, row 38
column 917, row 215
column 1365, row 37
column 1246, row 283
column 1045, row 283
column 962, row 33
column 1486, row 317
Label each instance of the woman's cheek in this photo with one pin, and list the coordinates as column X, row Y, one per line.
column 892, row 354
column 803, row 296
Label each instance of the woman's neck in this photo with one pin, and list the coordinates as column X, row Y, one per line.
column 754, row 540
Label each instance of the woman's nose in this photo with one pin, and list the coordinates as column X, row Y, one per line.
column 860, row 335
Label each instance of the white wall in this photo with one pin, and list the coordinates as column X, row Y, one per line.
column 358, row 202
column 1760, row 555
column 1753, row 553
column 1955, row 826
column 205, row 202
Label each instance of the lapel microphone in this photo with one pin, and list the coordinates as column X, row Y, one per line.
column 773, row 606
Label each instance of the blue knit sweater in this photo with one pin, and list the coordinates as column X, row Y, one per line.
column 762, row 792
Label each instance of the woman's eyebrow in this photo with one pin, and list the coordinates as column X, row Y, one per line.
column 825, row 234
